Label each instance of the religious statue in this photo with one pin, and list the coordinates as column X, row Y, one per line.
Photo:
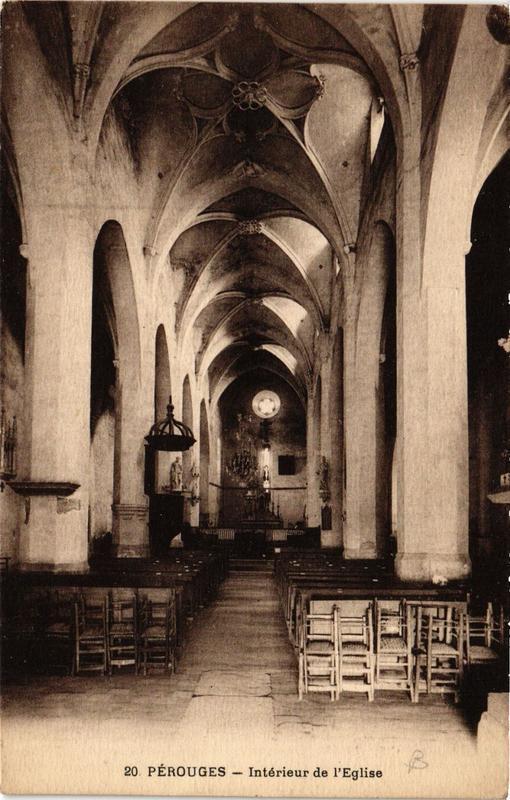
column 265, row 477
column 323, row 473
column 195, row 485
column 176, row 475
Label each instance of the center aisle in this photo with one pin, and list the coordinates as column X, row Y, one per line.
column 240, row 653
column 244, row 628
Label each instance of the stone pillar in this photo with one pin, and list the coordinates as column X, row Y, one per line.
column 435, row 479
column 130, row 504
column 360, row 530
column 366, row 464
column 330, row 537
column 53, row 471
column 432, row 436
column 366, row 458
column 192, row 500
column 336, row 433
column 214, row 464
column 312, row 460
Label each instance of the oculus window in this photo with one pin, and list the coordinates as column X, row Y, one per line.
column 266, row 404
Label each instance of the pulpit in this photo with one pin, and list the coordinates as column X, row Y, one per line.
column 166, row 509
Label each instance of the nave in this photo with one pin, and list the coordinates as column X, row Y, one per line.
column 254, row 298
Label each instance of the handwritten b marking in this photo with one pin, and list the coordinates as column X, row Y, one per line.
column 416, row 761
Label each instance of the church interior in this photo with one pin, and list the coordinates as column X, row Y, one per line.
column 255, row 368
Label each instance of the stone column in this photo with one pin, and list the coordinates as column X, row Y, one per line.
column 133, row 415
column 336, row 419
column 53, row 471
column 192, row 502
column 214, row 464
column 360, row 437
column 312, row 460
column 434, row 445
column 432, row 436
column 134, row 393
column 366, row 470
column 329, row 537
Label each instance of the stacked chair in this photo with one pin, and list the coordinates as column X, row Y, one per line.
column 356, row 647
column 439, row 648
column 319, row 651
column 393, row 646
column 158, row 630
column 123, row 620
column 362, row 646
column 90, row 635
column 336, row 649
column 412, row 639
column 485, row 636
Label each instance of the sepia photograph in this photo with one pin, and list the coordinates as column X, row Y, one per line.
column 255, row 399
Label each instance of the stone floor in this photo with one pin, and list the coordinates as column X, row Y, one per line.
column 236, row 682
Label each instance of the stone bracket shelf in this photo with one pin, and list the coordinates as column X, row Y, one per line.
column 29, row 488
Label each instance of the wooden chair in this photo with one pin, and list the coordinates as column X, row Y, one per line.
column 485, row 634
column 393, row 647
column 158, row 630
column 356, row 647
column 318, row 650
column 439, row 648
column 90, row 634
column 122, row 629
column 57, row 631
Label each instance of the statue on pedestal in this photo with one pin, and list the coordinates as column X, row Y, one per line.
column 265, row 477
column 195, row 485
column 176, row 475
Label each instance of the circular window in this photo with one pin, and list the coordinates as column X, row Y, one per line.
column 266, row 404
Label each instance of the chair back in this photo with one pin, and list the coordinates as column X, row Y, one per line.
column 90, row 612
column 123, row 611
column 320, row 620
column 392, row 621
column 320, row 623
column 442, row 625
column 355, row 623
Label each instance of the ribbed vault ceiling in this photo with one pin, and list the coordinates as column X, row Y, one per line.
column 251, row 128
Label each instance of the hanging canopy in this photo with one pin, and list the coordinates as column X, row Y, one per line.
column 170, row 435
